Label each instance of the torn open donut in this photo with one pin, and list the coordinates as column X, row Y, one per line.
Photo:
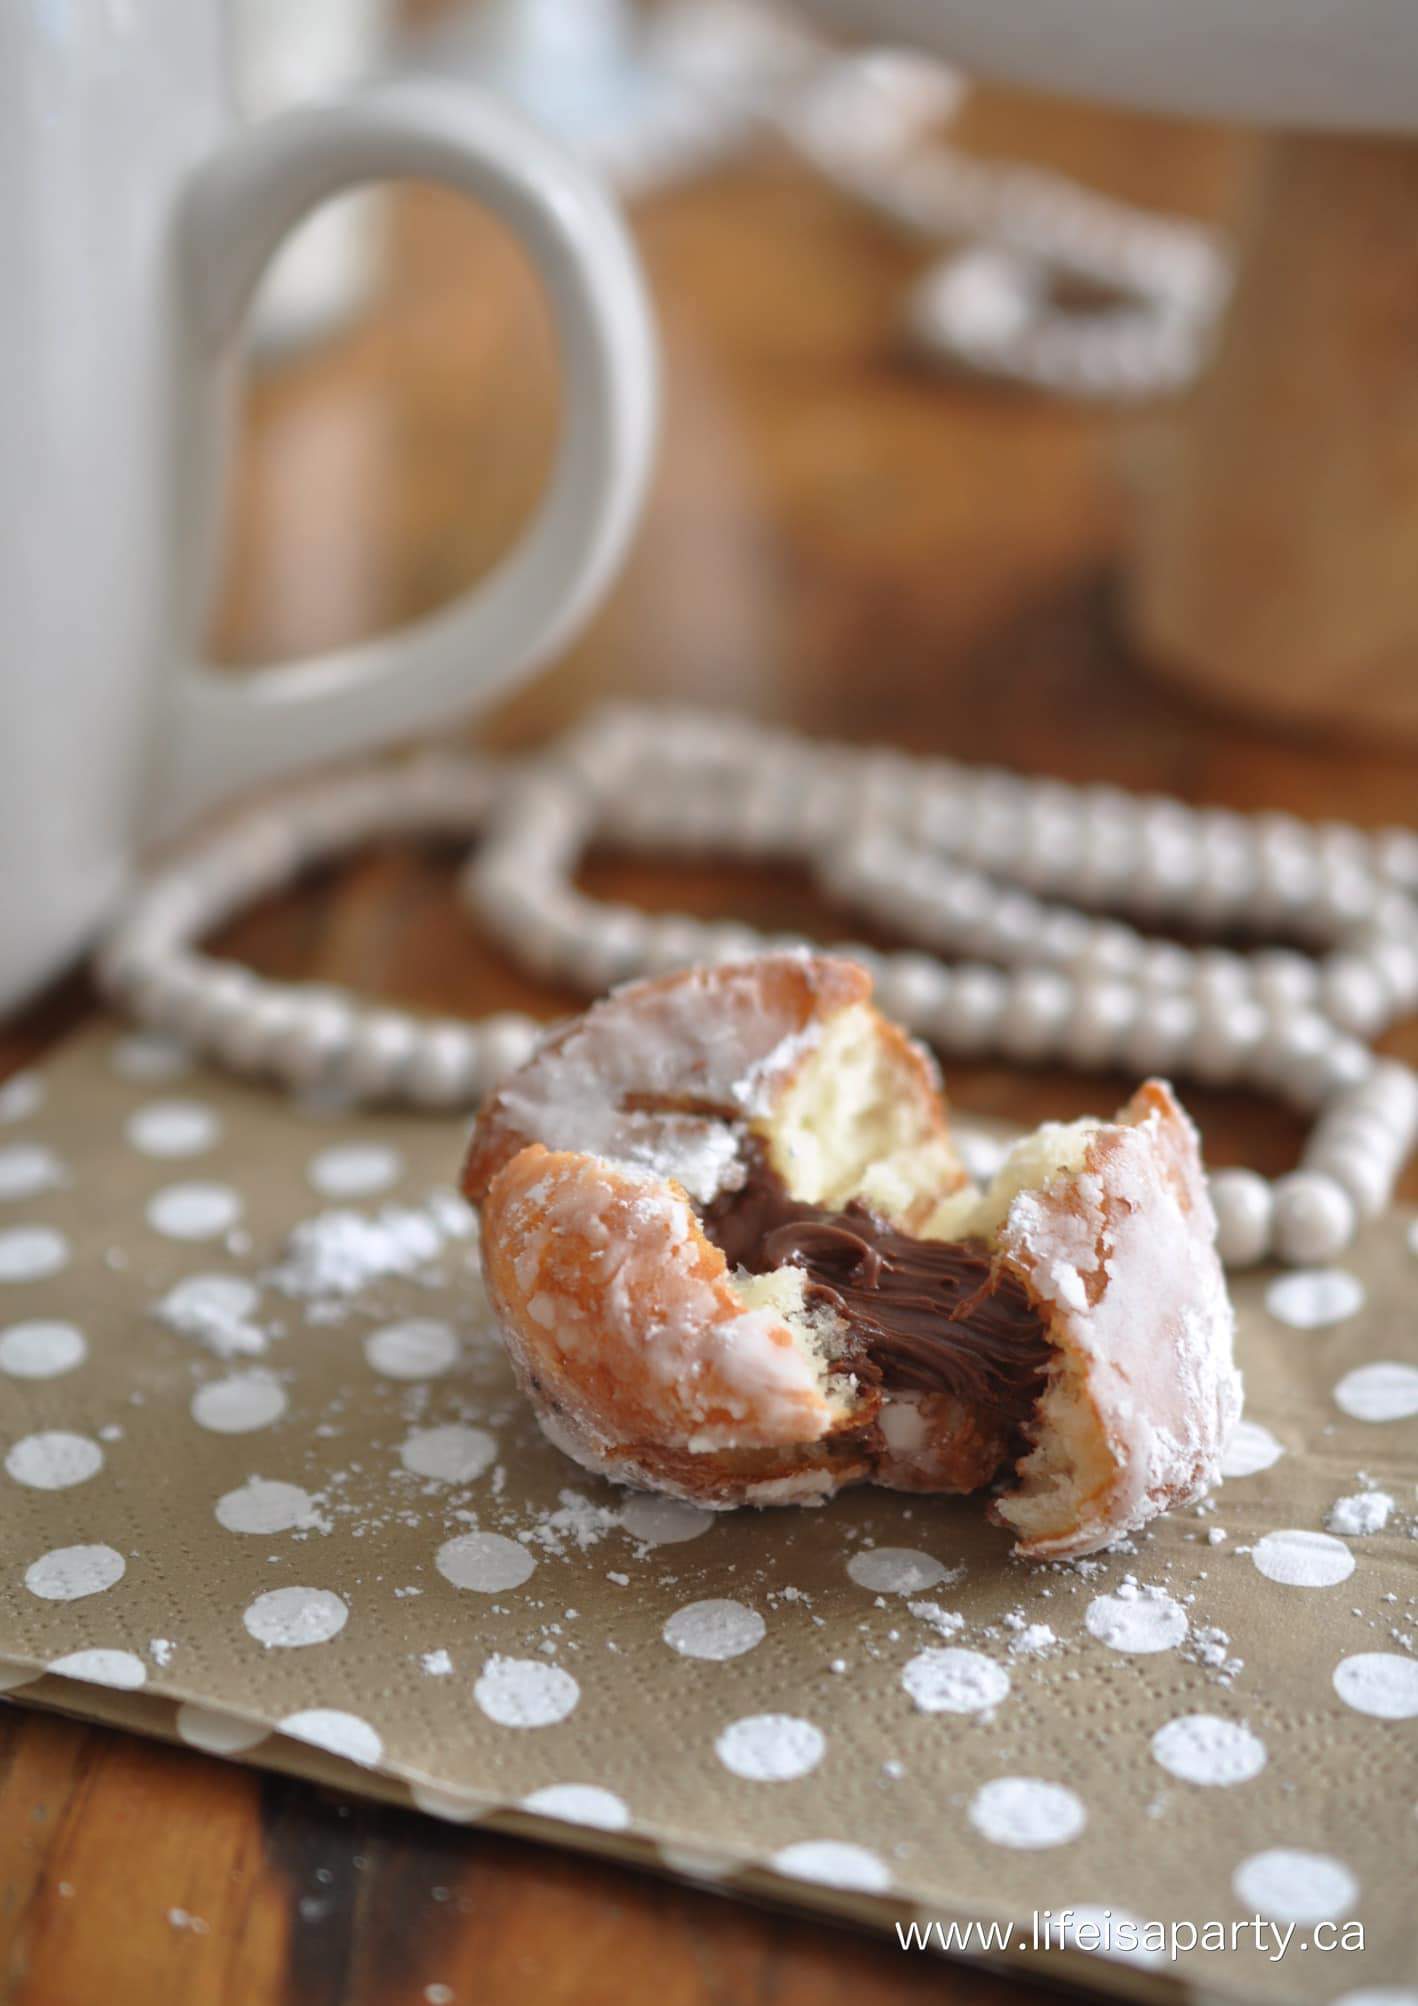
column 736, row 1257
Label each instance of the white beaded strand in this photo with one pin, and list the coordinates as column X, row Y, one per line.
column 954, row 858
column 309, row 1036
column 1025, row 874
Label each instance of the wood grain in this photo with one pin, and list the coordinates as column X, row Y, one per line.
column 837, row 539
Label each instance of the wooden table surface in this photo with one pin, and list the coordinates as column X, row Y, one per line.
column 836, row 538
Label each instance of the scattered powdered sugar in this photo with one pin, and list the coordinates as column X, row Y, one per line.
column 1366, row 1512
column 216, row 1310
column 1209, row 1647
column 437, row 1664
column 1030, row 1640
column 576, row 1522
column 334, row 1256
column 945, row 1622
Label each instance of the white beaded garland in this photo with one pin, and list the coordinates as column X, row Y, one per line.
column 1244, row 1210
column 1314, row 1218
column 303, row 1035
column 974, row 862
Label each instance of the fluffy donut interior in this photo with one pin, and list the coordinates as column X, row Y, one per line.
column 836, row 1140
column 843, row 1135
column 849, row 1126
column 1069, row 1459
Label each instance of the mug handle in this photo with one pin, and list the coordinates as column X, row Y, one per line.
column 225, row 731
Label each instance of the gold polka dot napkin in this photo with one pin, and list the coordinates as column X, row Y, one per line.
column 268, row 1490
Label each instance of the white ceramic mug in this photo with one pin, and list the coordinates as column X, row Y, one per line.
column 135, row 221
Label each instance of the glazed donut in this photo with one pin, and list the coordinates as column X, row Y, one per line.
column 735, row 1257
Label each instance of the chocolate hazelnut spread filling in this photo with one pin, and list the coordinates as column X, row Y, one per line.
column 936, row 1316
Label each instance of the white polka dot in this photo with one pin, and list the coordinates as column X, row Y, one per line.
column 525, row 1692
column 419, row 1349
column 1026, row 1812
column 770, row 1747
column 54, row 1460
column 445, row 1804
column 1380, row 1683
column 264, row 1506
column 580, row 1804
column 484, row 1561
column 289, row 1618
column 41, row 1349
column 1137, row 1625
column 28, row 1168
column 1120, row 1935
column 1292, row 1886
column 194, row 1211
column 452, row 1454
column 173, row 1128
column 336, row 1732
column 237, row 1406
column 1203, row 1748
column 32, row 1253
column 147, row 1058
column 715, row 1630
column 12, row 1677
column 664, row 1521
column 955, row 1681
column 1298, row 1558
column 218, row 1733
column 895, row 1570
column 1250, row 1450
column 833, row 1863
column 355, row 1169
column 1314, row 1298
column 1386, row 1391
column 71, row 1572
column 21, row 1096
column 102, row 1668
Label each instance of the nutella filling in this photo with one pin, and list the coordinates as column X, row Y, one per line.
column 936, row 1316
